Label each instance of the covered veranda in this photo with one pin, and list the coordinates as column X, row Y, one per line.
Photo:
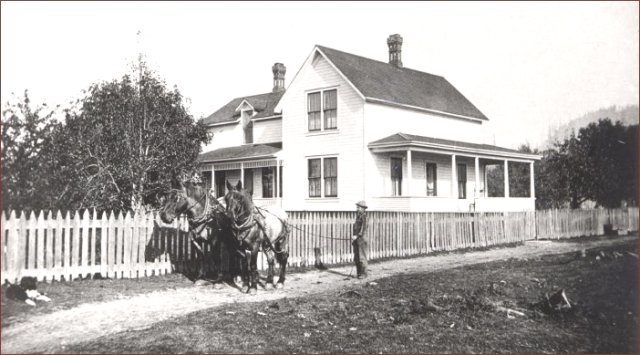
column 461, row 177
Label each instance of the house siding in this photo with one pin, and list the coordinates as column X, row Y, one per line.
column 224, row 136
column 268, row 131
column 299, row 144
column 383, row 121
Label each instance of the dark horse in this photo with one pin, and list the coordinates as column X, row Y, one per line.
column 207, row 221
column 257, row 229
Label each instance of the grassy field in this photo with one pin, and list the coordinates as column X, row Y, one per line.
column 393, row 315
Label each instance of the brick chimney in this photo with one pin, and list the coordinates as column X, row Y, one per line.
column 278, row 76
column 395, row 50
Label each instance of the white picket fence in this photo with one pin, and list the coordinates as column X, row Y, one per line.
column 56, row 246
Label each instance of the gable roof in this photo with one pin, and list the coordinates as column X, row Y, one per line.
column 240, row 152
column 264, row 104
column 385, row 83
column 404, row 139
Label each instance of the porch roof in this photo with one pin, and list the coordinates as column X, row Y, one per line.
column 247, row 151
column 404, row 140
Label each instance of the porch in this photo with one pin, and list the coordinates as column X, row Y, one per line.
column 258, row 167
column 418, row 173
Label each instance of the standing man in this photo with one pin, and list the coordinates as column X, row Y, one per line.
column 359, row 240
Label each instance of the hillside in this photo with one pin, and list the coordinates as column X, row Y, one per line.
column 627, row 115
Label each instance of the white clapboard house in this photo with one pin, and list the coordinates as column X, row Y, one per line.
column 349, row 128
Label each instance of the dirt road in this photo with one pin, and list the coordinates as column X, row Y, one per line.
column 89, row 321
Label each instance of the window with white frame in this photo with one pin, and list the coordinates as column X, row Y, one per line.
column 322, row 110
column 432, row 179
column 330, row 109
column 323, row 172
column 313, row 111
column 396, row 176
column 330, row 177
column 462, row 181
column 314, row 178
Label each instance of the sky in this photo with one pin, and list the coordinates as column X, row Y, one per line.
column 528, row 66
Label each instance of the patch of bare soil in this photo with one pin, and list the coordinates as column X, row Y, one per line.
column 54, row 331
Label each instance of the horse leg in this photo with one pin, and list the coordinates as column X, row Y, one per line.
column 282, row 257
column 204, row 262
column 216, row 259
column 254, row 270
column 244, row 270
column 271, row 261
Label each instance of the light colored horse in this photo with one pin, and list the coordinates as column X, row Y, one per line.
column 255, row 229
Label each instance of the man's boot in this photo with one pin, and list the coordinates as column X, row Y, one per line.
column 363, row 271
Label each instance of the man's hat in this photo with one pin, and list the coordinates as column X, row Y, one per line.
column 362, row 204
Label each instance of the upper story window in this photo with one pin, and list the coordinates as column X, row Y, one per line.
column 330, row 109
column 247, row 126
column 314, row 111
column 322, row 110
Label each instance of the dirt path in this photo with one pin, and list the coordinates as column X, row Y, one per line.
column 47, row 332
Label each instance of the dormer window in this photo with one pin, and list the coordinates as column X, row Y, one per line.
column 322, row 110
column 247, row 125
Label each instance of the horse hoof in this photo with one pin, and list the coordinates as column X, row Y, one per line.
column 245, row 289
column 218, row 286
column 279, row 285
column 253, row 291
column 268, row 286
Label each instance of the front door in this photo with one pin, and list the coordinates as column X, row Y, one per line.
column 396, row 176
column 220, row 178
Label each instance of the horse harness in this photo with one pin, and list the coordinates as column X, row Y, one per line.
column 197, row 225
column 257, row 217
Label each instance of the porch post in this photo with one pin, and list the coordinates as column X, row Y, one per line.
column 242, row 174
column 454, row 178
column 409, row 172
column 533, row 186
column 477, row 167
column 277, row 189
column 506, row 178
column 213, row 181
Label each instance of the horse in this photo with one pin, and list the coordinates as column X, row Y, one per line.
column 257, row 229
column 207, row 221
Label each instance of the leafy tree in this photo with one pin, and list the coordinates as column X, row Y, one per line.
column 599, row 164
column 126, row 141
column 551, row 180
column 26, row 132
column 605, row 162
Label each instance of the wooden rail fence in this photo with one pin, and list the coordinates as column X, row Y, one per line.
column 56, row 246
